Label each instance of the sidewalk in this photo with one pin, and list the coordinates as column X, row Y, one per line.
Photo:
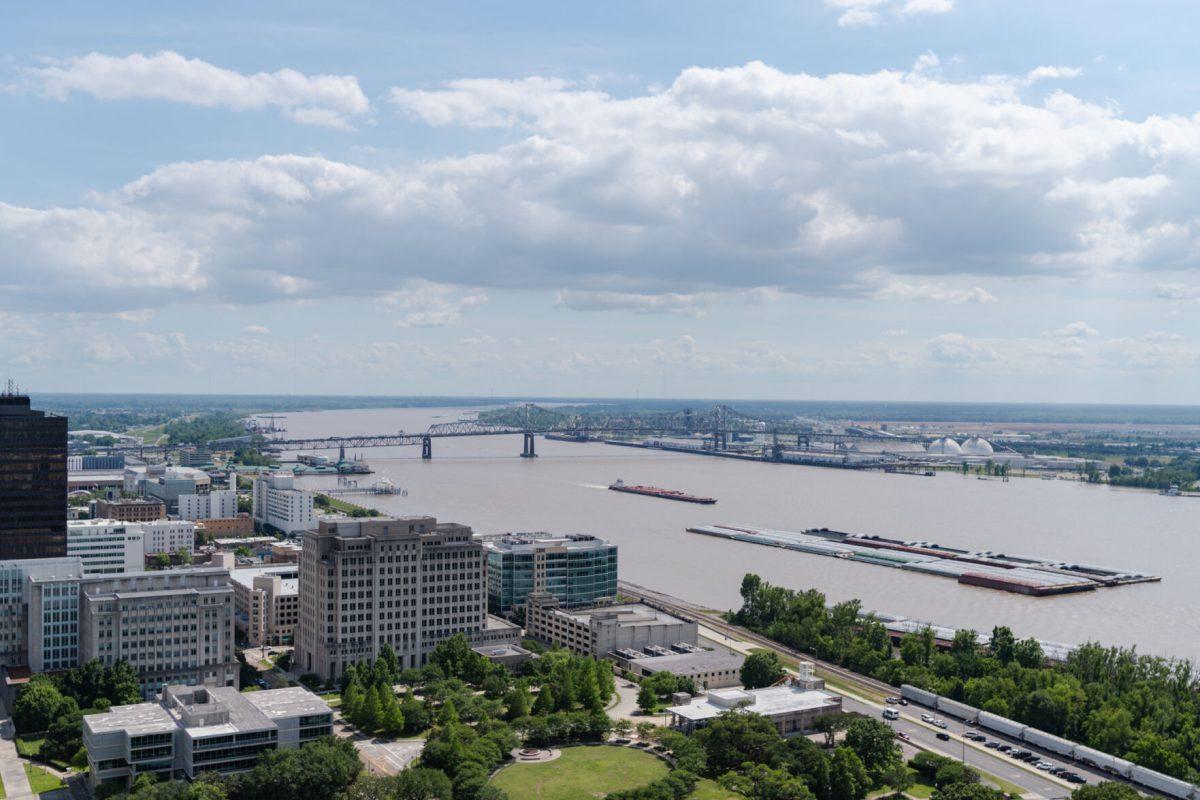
column 12, row 768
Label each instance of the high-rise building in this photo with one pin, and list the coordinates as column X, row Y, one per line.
column 408, row 582
column 216, row 504
column 266, row 603
column 33, row 480
column 14, row 609
column 131, row 509
column 577, row 569
column 278, row 503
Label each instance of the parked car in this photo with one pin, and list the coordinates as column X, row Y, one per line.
column 945, row 737
column 1059, row 771
column 926, row 718
column 1075, row 777
column 992, row 745
column 1004, row 748
column 940, row 723
column 903, row 701
column 903, row 735
column 974, row 737
column 1044, row 766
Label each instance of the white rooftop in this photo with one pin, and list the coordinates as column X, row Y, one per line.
column 136, row 719
column 771, row 701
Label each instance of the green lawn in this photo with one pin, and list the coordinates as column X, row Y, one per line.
column 28, row 747
column 581, row 773
column 42, row 781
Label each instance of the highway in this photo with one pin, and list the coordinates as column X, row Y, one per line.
column 1033, row 781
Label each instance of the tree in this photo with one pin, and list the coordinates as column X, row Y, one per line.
column 1028, row 653
column 1106, row 790
column 39, row 705
column 1003, row 644
column 733, row 739
column 875, row 744
column 898, row 778
column 544, row 704
column 622, row 727
column 848, row 778
column 760, row 782
column 831, row 724
column 516, row 703
column 761, row 669
column 645, row 729
column 319, row 770
column 646, row 699
column 420, row 783
column 121, row 684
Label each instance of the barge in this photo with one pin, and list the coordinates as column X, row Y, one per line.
column 665, row 494
column 1026, row 575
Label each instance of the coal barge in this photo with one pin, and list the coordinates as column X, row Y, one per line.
column 666, row 494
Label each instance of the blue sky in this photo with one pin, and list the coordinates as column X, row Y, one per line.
column 859, row 199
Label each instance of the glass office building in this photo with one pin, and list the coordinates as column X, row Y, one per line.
column 33, row 481
column 577, row 569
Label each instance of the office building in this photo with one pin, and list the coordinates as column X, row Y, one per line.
column 408, row 582
column 192, row 730
column 14, row 608
column 166, row 483
column 90, row 463
column 603, row 630
column 172, row 626
column 226, row 527
column 790, row 707
column 706, row 669
column 214, row 504
column 266, row 603
column 33, row 480
column 198, row 456
column 168, row 536
column 279, row 504
column 130, row 509
column 106, row 546
column 578, row 569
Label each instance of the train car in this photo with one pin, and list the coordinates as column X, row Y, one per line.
column 999, row 724
column 956, row 709
column 1046, row 741
column 1172, row 787
column 916, row 695
column 1102, row 761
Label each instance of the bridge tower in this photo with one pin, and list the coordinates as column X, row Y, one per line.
column 527, row 450
column 426, row 447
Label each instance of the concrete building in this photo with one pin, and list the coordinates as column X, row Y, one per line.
column 168, row 536
column 278, row 503
column 14, row 601
column 93, row 462
column 707, row 669
column 508, row 655
column 218, row 527
column 792, row 709
column 219, row 504
column 578, row 569
column 130, row 509
column 173, row 626
column 106, row 546
column 166, row 483
column 200, row 729
column 266, row 604
column 602, row 630
column 408, row 582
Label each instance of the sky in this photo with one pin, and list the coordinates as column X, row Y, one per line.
column 814, row 199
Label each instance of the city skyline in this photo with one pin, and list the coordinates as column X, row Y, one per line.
column 834, row 200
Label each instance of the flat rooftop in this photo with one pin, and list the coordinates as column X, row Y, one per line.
column 771, row 701
column 529, row 542
column 627, row 615
column 246, row 577
column 136, row 720
column 707, row 661
column 501, row 650
column 294, row 701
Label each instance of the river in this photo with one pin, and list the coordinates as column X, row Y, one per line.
column 482, row 482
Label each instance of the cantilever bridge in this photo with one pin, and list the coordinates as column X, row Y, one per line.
column 720, row 425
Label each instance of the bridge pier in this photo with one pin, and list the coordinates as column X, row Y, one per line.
column 527, row 450
column 426, row 447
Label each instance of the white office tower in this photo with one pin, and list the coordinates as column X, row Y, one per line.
column 278, row 503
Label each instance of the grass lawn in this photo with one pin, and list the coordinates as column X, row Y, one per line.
column 42, row 781
column 29, row 748
column 581, row 773
column 711, row 790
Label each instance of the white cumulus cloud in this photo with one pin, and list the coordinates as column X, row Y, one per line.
column 326, row 100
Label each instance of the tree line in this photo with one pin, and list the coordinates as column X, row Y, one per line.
column 1142, row 708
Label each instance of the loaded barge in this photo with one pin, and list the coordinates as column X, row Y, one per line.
column 1032, row 576
column 665, row 494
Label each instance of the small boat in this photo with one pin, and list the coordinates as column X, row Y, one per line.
column 665, row 494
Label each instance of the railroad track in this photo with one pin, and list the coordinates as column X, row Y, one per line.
column 674, row 605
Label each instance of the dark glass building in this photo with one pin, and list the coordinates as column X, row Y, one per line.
column 33, row 481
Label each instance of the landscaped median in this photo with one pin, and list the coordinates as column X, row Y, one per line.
column 581, row 772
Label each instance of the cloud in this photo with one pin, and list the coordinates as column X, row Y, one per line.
column 726, row 180
column 331, row 101
column 895, row 333
column 860, row 13
column 896, row 289
column 691, row 305
column 1051, row 73
column 956, row 350
column 1076, row 330
column 1177, row 292
column 432, row 305
column 256, row 330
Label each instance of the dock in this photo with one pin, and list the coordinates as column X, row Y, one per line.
column 1036, row 577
